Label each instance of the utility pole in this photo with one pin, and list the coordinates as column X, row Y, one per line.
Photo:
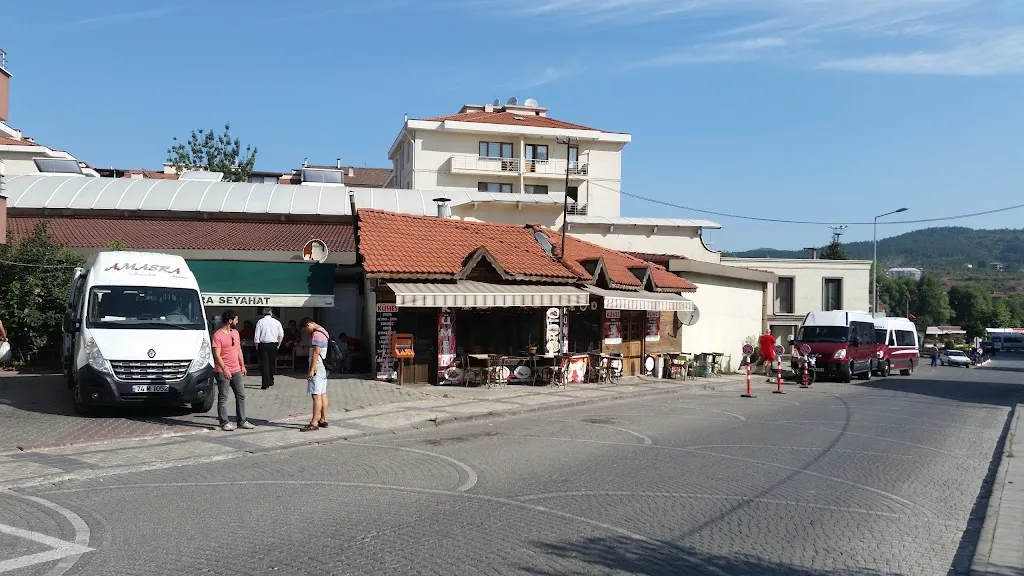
column 837, row 233
column 565, row 200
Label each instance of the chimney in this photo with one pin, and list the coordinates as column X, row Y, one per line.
column 5, row 87
column 443, row 210
column 305, row 162
column 813, row 252
column 339, row 164
column 351, row 172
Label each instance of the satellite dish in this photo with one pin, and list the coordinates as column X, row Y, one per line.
column 688, row 318
column 497, row 102
column 531, row 103
column 513, row 101
column 315, row 251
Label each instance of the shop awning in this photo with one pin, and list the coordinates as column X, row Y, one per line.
column 471, row 294
column 274, row 284
column 642, row 300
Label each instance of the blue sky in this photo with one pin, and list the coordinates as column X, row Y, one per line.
column 830, row 110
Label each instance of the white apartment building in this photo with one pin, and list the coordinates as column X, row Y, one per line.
column 21, row 155
column 806, row 285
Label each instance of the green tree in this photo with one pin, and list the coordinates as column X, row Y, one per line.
column 207, row 151
column 116, row 246
column 1000, row 317
column 833, row 251
column 972, row 308
column 36, row 272
column 931, row 307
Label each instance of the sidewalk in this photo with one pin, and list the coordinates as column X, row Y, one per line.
column 1001, row 543
column 359, row 408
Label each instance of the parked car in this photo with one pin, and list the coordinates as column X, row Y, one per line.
column 954, row 358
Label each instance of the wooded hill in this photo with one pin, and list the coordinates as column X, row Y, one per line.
column 941, row 251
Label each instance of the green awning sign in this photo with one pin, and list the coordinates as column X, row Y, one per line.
column 273, row 284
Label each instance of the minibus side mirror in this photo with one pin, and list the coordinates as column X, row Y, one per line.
column 790, row 338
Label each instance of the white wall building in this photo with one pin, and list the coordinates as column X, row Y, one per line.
column 806, row 285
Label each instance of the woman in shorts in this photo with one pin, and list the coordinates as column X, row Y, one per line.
column 317, row 375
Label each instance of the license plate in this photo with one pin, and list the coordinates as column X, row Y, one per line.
column 819, row 369
column 151, row 388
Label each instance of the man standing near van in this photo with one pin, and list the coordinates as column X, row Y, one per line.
column 268, row 336
column 767, row 344
column 230, row 368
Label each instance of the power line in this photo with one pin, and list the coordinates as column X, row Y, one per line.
column 811, row 222
column 37, row 265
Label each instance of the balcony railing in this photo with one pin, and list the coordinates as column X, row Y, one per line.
column 577, row 209
column 471, row 163
column 474, row 163
column 555, row 167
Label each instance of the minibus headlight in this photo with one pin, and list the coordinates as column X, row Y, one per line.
column 203, row 358
column 879, row 354
column 95, row 357
column 840, row 354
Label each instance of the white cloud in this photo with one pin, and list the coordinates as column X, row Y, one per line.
column 997, row 56
column 119, row 17
column 738, row 51
column 960, row 37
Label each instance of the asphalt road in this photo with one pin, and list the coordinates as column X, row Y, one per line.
column 880, row 477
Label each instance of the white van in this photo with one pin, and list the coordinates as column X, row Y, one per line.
column 896, row 346
column 135, row 333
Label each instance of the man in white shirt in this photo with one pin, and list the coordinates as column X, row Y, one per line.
column 269, row 334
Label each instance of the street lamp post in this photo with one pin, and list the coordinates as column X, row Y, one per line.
column 874, row 260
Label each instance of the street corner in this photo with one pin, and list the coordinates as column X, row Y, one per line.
column 39, row 534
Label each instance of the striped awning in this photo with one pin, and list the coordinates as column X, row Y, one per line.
column 642, row 300
column 471, row 294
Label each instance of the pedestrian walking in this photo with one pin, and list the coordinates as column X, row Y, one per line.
column 230, row 368
column 317, row 375
column 767, row 344
column 268, row 335
column 5, row 347
column 935, row 356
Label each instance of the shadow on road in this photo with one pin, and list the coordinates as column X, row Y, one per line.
column 624, row 554
column 1000, row 383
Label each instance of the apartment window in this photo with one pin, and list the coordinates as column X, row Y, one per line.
column 494, row 187
column 535, row 154
column 495, row 150
column 536, row 189
column 832, row 294
column 784, row 296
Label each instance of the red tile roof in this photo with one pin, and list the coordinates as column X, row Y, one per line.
column 4, row 141
column 398, row 245
column 155, row 174
column 617, row 264
column 160, row 234
column 513, row 119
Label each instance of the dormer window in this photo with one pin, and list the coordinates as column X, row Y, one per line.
column 321, row 176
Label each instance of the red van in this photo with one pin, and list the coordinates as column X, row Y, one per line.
column 842, row 341
column 896, row 346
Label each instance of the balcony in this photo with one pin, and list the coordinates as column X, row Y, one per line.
column 553, row 169
column 576, row 209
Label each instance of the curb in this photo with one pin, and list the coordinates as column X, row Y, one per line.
column 986, row 540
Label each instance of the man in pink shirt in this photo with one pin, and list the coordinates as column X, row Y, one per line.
column 230, row 367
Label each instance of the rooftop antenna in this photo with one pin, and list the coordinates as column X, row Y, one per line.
column 837, row 233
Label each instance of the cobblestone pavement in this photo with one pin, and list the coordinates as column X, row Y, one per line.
column 36, row 410
column 880, row 477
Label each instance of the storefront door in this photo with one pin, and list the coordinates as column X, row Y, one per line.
column 633, row 330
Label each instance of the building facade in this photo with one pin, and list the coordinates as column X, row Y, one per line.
column 512, row 149
column 806, row 285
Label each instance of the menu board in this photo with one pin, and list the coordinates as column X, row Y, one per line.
column 612, row 327
column 445, row 342
column 653, row 332
column 553, row 331
column 387, row 315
